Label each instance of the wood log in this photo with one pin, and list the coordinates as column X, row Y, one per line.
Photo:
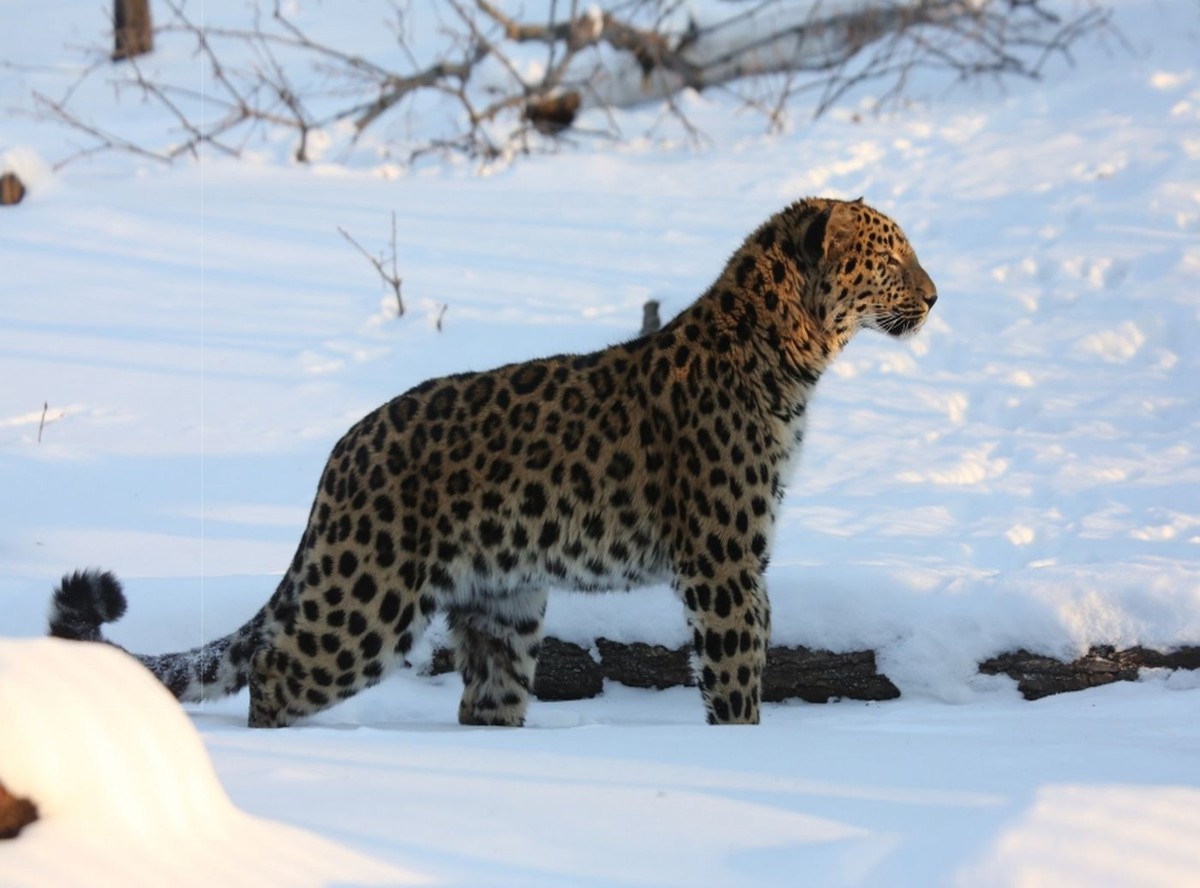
column 16, row 813
column 820, row 676
column 12, row 189
column 641, row 665
column 133, row 33
column 553, row 114
column 1040, row 676
column 567, row 671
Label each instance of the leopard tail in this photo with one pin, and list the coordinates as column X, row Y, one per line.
column 85, row 600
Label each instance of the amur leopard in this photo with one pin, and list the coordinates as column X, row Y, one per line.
column 659, row 459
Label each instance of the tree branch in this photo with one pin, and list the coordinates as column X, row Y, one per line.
column 481, row 95
column 390, row 278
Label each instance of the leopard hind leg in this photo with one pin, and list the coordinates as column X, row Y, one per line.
column 332, row 645
column 496, row 643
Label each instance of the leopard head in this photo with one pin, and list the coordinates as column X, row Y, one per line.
column 868, row 275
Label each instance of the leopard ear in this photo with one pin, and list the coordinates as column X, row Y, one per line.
column 812, row 248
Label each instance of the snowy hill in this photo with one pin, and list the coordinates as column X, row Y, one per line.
column 1024, row 473
column 125, row 791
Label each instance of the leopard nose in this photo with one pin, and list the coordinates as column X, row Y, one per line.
column 930, row 299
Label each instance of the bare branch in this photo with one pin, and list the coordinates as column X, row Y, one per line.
column 390, row 278
column 480, row 92
column 104, row 140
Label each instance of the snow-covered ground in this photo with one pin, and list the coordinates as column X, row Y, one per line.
column 1024, row 473
column 125, row 790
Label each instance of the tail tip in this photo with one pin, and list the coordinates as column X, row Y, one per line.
column 83, row 601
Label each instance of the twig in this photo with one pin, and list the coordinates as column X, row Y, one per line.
column 392, row 278
column 42, row 424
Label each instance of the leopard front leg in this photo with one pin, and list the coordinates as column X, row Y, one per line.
column 730, row 619
column 496, row 645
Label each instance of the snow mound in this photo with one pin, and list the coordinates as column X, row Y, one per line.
column 28, row 166
column 125, row 787
column 1099, row 835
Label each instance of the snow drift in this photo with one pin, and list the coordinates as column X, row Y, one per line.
column 125, row 790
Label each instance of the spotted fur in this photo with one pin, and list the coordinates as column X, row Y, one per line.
column 660, row 459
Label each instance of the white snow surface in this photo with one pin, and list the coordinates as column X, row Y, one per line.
column 181, row 345
column 126, row 789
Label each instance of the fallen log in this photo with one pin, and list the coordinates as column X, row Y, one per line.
column 1040, row 676
column 567, row 671
column 16, row 813
column 12, row 189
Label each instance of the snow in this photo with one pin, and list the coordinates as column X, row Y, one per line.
column 624, row 789
column 1088, row 835
column 1025, row 473
column 123, row 780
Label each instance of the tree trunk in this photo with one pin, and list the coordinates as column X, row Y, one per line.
column 133, row 33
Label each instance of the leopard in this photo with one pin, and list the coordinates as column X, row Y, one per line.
column 663, row 459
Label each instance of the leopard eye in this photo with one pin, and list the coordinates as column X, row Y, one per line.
column 886, row 261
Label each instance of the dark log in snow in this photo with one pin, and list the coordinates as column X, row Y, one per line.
column 133, row 35
column 819, row 676
column 641, row 665
column 567, row 671
column 12, row 189
column 1040, row 676
column 15, row 814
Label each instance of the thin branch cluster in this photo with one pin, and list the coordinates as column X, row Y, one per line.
column 385, row 266
column 486, row 83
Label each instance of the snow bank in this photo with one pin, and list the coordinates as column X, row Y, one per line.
column 125, row 788
column 28, row 166
column 1098, row 835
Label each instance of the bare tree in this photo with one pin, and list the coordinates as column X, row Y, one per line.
column 498, row 85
